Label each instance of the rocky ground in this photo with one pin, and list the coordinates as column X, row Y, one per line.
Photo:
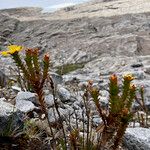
column 109, row 36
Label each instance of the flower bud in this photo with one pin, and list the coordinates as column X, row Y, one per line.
column 142, row 88
column 90, row 82
column 113, row 78
column 132, row 87
column 36, row 51
column 128, row 77
column 29, row 51
column 46, row 58
column 125, row 111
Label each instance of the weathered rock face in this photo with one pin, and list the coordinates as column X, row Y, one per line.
column 81, row 38
column 137, row 139
column 109, row 44
column 104, row 34
column 10, row 117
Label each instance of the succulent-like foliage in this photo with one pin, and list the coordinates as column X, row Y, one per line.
column 31, row 70
column 116, row 119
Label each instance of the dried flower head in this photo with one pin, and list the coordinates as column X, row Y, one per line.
column 95, row 91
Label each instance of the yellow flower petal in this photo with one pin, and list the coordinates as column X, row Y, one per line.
column 4, row 53
column 11, row 49
column 128, row 77
column 14, row 48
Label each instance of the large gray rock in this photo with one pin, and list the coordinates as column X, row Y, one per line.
column 137, row 138
column 25, row 106
column 10, row 117
column 24, row 101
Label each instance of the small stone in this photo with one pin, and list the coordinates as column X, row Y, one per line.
column 17, row 89
column 49, row 100
column 137, row 65
column 25, row 106
column 26, row 96
column 57, row 79
column 53, row 115
column 69, row 109
column 63, row 94
column 104, row 101
column 97, row 120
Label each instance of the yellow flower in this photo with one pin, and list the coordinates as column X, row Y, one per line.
column 128, row 77
column 12, row 49
column 4, row 53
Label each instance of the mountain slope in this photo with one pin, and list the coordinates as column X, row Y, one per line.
column 92, row 32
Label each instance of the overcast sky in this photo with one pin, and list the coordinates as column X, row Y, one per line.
column 47, row 4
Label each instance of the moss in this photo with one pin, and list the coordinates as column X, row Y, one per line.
column 64, row 69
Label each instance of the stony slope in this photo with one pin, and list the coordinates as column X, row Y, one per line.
column 109, row 36
column 96, row 32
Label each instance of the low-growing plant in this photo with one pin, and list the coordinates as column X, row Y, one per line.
column 115, row 117
column 33, row 73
